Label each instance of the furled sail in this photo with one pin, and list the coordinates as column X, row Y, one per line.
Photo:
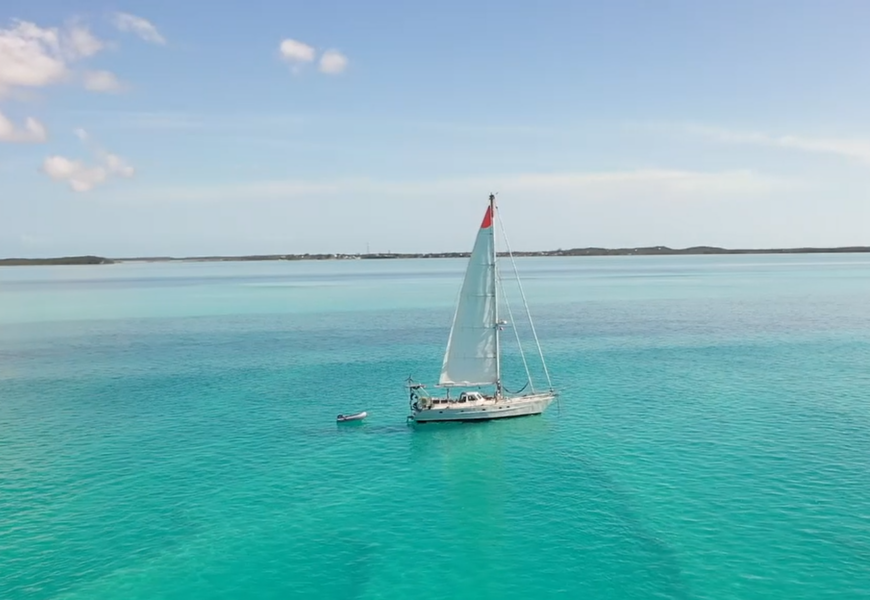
column 471, row 357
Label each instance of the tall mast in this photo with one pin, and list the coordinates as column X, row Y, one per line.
column 495, row 298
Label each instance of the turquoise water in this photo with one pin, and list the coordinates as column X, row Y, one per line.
column 167, row 431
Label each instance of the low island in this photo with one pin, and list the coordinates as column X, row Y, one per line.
column 64, row 260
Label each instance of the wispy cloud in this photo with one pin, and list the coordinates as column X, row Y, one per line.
column 333, row 62
column 298, row 54
column 102, row 81
column 272, row 127
column 143, row 28
column 477, row 128
column 81, row 176
column 33, row 131
column 152, row 121
column 853, row 149
column 215, row 123
column 78, row 41
column 659, row 183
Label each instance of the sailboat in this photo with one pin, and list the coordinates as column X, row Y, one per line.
column 474, row 347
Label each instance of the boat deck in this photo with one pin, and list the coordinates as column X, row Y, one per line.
column 441, row 409
column 485, row 402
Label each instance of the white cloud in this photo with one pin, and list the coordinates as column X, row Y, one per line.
column 79, row 42
column 296, row 53
column 79, row 176
column 138, row 26
column 333, row 62
column 33, row 56
column 662, row 184
column 849, row 148
column 82, row 177
column 32, row 132
column 30, row 56
column 102, row 81
column 118, row 166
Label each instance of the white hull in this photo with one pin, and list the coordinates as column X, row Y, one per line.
column 351, row 418
column 439, row 410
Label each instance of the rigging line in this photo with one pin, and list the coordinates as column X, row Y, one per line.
column 519, row 391
column 516, row 334
column 525, row 303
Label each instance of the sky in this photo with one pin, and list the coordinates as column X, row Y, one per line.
column 154, row 128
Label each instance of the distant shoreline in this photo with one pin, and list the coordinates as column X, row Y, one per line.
column 644, row 251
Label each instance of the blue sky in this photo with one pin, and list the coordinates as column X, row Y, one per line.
column 185, row 130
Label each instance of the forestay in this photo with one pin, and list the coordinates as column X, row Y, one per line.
column 472, row 349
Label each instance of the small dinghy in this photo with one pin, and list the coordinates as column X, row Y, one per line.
column 357, row 417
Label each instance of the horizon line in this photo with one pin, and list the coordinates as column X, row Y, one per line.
column 571, row 252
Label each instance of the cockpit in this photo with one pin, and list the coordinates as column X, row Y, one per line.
column 470, row 397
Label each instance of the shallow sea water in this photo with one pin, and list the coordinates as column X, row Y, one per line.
column 168, row 431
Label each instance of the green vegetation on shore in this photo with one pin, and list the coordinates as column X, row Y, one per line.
column 645, row 251
column 64, row 260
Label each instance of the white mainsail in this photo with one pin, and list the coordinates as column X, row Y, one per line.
column 471, row 358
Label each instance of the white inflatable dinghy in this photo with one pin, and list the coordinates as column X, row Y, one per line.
column 357, row 417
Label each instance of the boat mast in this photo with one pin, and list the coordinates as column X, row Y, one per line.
column 495, row 298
